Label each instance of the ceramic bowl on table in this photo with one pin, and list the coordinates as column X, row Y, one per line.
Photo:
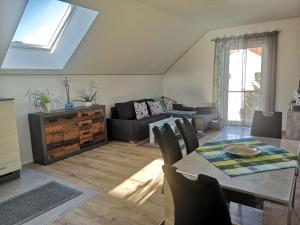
column 241, row 150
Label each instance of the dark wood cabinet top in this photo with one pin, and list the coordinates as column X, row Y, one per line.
column 61, row 112
column 6, row 99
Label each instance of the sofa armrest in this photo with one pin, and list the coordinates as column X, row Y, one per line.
column 181, row 107
column 120, row 129
column 204, row 110
column 177, row 106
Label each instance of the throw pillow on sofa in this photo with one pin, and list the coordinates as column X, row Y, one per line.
column 169, row 103
column 155, row 108
column 141, row 110
column 125, row 110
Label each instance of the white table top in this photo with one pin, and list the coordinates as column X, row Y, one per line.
column 170, row 120
column 273, row 185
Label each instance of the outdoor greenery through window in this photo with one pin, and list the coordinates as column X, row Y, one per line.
column 42, row 24
column 244, row 84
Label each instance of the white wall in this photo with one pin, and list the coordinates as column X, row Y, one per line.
column 190, row 80
column 112, row 88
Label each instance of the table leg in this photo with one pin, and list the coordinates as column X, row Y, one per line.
column 275, row 214
column 169, row 206
column 151, row 135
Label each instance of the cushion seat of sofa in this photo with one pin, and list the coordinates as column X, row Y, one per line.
column 181, row 113
column 146, row 121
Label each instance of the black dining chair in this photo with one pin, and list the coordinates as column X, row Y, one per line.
column 197, row 202
column 191, row 142
column 168, row 144
column 188, row 134
column 267, row 124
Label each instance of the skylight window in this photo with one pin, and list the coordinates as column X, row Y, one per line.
column 48, row 34
column 42, row 24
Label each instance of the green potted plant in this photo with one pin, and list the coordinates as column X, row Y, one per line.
column 87, row 97
column 41, row 100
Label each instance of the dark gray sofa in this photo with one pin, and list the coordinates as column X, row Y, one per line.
column 124, row 126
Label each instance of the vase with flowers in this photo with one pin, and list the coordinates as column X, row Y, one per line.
column 66, row 83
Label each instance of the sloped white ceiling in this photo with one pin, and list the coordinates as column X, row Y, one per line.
column 223, row 13
column 127, row 37
column 145, row 36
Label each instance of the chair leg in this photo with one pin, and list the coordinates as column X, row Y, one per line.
column 162, row 188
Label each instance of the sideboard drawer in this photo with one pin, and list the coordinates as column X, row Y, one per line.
column 85, row 115
column 53, row 122
column 86, row 134
column 56, row 152
column 10, row 167
column 98, row 113
column 54, row 137
column 63, row 150
column 53, row 129
column 98, row 127
column 84, row 125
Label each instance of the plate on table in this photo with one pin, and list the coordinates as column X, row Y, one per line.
column 242, row 150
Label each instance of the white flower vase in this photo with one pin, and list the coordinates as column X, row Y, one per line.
column 87, row 104
column 47, row 108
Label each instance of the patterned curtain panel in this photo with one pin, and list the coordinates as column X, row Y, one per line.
column 245, row 76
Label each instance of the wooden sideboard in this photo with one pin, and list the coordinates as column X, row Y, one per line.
column 63, row 133
column 10, row 162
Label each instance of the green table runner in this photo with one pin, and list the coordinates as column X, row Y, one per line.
column 270, row 158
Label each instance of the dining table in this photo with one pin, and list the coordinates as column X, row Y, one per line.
column 275, row 189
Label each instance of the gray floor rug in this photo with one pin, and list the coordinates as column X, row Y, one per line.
column 30, row 180
column 24, row 207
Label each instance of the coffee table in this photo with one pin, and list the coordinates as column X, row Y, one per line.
column 170, row 120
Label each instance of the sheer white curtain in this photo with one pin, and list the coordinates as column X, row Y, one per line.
column 261, row 95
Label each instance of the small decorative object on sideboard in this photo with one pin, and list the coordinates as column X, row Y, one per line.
column 88, row 98
column 41, row 100
column 63, row 133
column 66, row 83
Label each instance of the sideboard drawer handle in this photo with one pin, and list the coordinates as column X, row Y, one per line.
column 3, row 168
column 53, row 120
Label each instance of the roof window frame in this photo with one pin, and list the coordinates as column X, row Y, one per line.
column 55, row 37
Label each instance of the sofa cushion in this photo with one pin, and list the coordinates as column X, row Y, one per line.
column 169, row 103
column 162, row 103
column 181, row 113
column 155, row 108
column 141, row 110
column 125, row 110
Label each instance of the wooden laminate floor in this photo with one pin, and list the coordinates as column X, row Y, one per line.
column 128, row 179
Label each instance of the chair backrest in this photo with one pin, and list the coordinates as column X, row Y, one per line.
column 188, row 134
column 197, row 202
column 168, row 144
column 267, row 125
